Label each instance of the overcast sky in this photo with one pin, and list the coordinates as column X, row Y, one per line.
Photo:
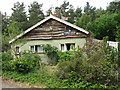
column 6, row 5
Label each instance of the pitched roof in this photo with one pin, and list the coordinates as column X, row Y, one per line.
column 44, row 20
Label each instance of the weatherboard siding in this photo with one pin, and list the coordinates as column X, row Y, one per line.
column 52, row 29
column 56, row 43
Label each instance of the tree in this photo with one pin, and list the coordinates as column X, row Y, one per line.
column 83, row 21
column 114, row 7
column 117, row 18
column 90, row 10
column 78, row 12
column 102, row 26
column 61, row 11
column 19, row 15
column 71, row 14
column 99, row 12
column 49, row 12
column 5, row 22
column 13, row 31
column 35, row 13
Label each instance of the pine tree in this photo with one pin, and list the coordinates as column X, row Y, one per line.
column 114, row 7
column 35, row 13
column 19, row 15
column 90, row 10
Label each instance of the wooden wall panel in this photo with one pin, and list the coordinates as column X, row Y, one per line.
column 52, row 29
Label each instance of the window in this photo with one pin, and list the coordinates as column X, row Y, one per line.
column 32, row 48
column 70, row 32
column 36, row 48
column 68, row 46
column 62, row 47
column 17, row 50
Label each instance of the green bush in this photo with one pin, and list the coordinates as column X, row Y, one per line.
column 27, row 62
column 97, row 63
column 31, row 77
column 51, row 52
column 7, row 61
column 64, row 56
column 7, row 56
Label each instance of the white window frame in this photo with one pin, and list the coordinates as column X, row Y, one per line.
column 41, row 47
column 18, row 50
column 30, row 48
column 34, row 48
column 65, row 46
column 69, row 43
column 60, row 48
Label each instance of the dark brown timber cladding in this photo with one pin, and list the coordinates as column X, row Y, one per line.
column 52, row 29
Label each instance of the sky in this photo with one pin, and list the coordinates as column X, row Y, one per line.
column 6, row 5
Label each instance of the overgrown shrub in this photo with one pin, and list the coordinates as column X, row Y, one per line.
column 64, row 56
column 7, row 61
column 51, row 52
column 97, row 63
column 7, row 56
column 27, row 62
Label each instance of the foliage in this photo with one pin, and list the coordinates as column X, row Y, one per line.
column 8, row 34
column 73, row 79
column 19, row 15
column 83, row 21
column 35, row 12
column 67, row 10
column 7, row 61
column 27, row 62
column 52, row 81
column 89, row 66
column 117, row 18
column 78, row 12
column 90, row 10
column 11, row 32
column 7, row 56
column 61, row 11
column 114, row 7
column 5, row 22
column 71, row 15
column 51, row 52
column 64, row 56
column 103, row 27
column 32, row 77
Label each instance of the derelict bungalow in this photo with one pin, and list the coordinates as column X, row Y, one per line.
column 52, row 30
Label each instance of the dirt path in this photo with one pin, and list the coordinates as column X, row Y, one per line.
column 9, row 83
column 6, row 85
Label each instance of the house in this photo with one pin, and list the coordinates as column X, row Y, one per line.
column 52, row 30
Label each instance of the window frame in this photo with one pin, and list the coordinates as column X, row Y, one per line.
column 18, row 50
column 65, row 46
column 35, row 48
